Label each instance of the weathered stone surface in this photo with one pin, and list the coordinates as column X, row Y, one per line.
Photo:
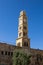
column 6, row 59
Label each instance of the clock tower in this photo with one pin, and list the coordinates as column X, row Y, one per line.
column 23, row 40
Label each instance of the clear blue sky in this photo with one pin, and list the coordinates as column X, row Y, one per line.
column 9, row 13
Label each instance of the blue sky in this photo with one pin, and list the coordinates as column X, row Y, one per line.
column 9, row 14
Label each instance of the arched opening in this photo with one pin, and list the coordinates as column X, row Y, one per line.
column 25, row 43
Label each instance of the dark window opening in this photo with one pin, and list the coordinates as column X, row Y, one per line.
column 25, row 44
column 5, row 52
column 8, row 53
column 2, row 52
column 24, row 33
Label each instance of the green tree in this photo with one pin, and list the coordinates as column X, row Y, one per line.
column 21, row 58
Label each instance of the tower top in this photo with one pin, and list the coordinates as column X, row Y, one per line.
column 22, row 13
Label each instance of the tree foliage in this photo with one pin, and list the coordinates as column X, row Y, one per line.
column 21, row 58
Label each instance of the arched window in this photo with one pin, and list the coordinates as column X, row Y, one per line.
column 25, row 44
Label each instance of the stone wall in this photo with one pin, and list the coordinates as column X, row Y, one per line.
column 6, row 53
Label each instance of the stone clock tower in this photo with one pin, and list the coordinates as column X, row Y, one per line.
column 23, row 40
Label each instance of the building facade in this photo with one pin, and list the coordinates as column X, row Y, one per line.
column 22, row 42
